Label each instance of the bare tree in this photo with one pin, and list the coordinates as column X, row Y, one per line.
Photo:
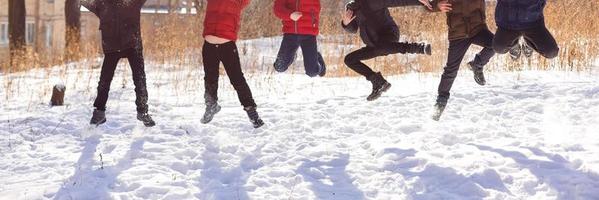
column 16, row 29
column 73, row 29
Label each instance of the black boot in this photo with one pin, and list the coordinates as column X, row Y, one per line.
column 479, row 75
column 379, row 86
column 439, row 108
column 516, row 51
column 98, row 117
column 419, row 48
column 146, row 119
column 527, row 50
column 211, row 110
column 254, row 118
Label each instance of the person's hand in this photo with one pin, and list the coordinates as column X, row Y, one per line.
column 444, row 6
column 295, row 16
column 427, row 4
column 347, row 17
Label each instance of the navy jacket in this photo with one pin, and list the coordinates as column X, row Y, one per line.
column 519, row 14
column 119, row 23
column 375, row 22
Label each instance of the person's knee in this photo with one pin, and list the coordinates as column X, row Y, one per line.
column 500, row 48
column 552, row 53
column 349, row 60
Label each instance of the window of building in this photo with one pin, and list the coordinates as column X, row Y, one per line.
column 3, row 33
column 49, row 30
column 30, row 33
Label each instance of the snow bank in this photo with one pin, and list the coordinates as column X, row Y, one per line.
column 527, row 135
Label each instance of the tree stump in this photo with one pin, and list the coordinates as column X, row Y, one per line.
column 58, row 95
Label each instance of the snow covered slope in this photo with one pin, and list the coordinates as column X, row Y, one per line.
column 528, row 135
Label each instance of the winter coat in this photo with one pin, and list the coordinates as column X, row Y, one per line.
column 119, row 23
column 466, row 19
column 374, row 21
column 223, row 18
column 307, row 24
column 519, row 14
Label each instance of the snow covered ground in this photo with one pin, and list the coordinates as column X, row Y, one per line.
column 527, row 135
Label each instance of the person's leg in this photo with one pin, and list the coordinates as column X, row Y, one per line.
column 287, row 52
column 110, row 62
column 136, row 61
column 311, row 55
column 230, row 59
column 541, row 40
column 456, row 52
column 505, row 39
column 354, row 60
column 484, row 39
column 211, row 60
column 405, row 48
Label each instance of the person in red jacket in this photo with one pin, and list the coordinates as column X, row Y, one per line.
column 221, row 26
column 300, row 20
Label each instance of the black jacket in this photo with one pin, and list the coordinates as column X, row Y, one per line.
column 519, row 14
column 375, row 22
column 119, row 23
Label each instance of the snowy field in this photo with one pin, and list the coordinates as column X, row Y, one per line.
column 527, row 135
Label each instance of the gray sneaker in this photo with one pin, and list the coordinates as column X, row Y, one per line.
column 146, row 119
column 211, row 110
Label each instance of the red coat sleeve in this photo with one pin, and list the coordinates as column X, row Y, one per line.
column 281, row 11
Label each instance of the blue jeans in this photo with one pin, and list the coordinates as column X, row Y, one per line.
column 313, row 61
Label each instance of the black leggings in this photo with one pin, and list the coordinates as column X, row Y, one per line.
column 213, row 55
column 354, row 59
column 136, row 60
column 455, row 55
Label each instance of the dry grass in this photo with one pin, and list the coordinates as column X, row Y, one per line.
column 174, row 41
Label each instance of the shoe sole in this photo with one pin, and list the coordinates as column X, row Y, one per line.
column 384, row 89
column 99, row 123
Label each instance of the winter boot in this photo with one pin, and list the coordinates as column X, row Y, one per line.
column 146, row 119
column 211, row 110
column 98, row 117
column 323, row 71
column 527, row 50
column 419, row 48
column 439, row 108
column 379, row 86
column 515, row 52
column 253, row 115
column 479, row 75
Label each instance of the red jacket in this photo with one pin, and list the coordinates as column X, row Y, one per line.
column 307, row 24
column 222, row 18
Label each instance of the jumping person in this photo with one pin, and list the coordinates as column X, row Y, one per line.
column 300, row 20
column 380, row 34
column 523, row 19
column 121, row 38
column 221, row 26
column 467, row 25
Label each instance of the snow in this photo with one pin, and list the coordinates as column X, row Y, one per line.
column 527, row 135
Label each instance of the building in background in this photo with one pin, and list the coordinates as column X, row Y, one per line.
column 45, row 24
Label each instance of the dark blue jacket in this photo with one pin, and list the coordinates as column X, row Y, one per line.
column 519, row 14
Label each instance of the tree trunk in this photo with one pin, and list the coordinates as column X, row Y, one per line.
column 16, row 29
column 73, row 29
column 58, row 95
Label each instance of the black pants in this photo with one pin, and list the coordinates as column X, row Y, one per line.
column 456, row 52
column 313, row 61
column 136, row 60
column 539, row 38
column 354, row 59
column 213, row 55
